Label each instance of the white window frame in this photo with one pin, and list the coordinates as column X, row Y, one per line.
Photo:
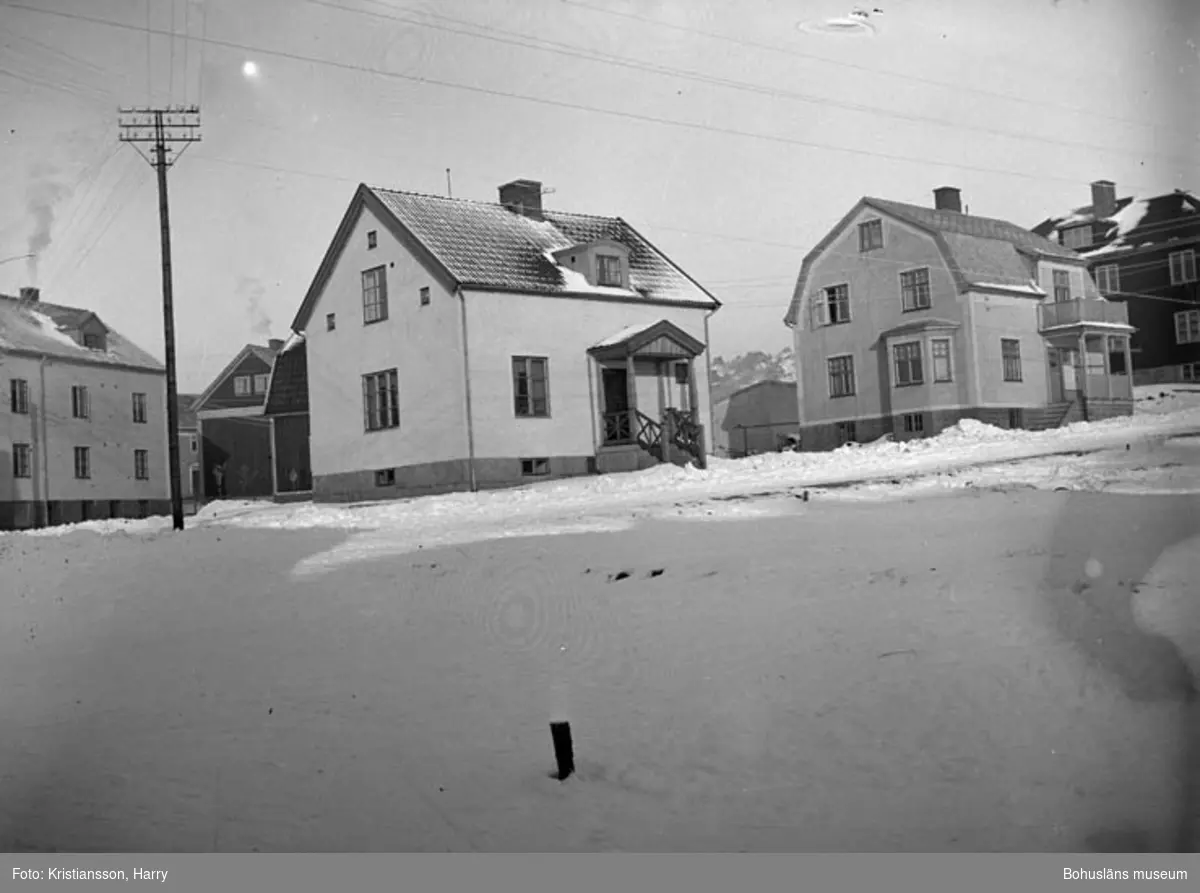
column 261, row 382
column 141, row 465
column 870, row 235
column 81, row 405
column 1189, row 372
column 853, row 375
column 521, row 369
column 1183, row 266
column 917, row 292
column 933, row 359
column 242, row 385
column 374, row 295
column 22, row 461
column 378, row 413
column 1004, row 361
column 18, row 396
column 1108, row 279
column 610, row 261
column 1187, row 327
column 1062, row 293
column 1078, row 236
column 83, row 469
column 140, row 408
column 920, row 358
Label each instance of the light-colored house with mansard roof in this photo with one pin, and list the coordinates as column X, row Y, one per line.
column 907, row 319
column 459, row 345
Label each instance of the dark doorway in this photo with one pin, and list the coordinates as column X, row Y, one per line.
column 615, row 386
column 616, row 389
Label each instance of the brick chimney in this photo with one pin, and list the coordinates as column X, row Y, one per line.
column 947, row 198
column 30, row 295
column 1104, row 198
column 276, row 344
column 523, row 197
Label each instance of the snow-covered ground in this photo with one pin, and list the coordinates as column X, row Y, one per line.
column 864, row 670
column 969, row 454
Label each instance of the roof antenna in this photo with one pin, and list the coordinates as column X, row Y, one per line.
column 449, row 190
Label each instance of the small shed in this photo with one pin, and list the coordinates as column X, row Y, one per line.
column 760, row 417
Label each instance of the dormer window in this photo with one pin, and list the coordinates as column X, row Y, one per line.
column 1077, row 236
column 608, row 270
column 93, row 341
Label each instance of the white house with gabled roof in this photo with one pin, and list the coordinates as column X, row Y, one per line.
column 455, row 345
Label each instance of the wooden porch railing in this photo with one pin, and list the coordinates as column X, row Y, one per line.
column 635, row 427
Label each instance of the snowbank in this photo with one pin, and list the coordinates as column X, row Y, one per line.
column 582, row 500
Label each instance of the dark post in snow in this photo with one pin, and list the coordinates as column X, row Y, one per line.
column 163, row 127
column 564, row 751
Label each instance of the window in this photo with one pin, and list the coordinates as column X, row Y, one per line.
column 1077, row 236
column 841, row 376
column 93, row 341
column 194, row 443
column 372, row 239
column 1116, row 355
column 385, row 477
column 1014, row 418
column 80, row 405
column 530, row 387
column 535, row 467
column 1010, row 351
column 241, row 386
column 424, row 296
column 914, row 289
column 21, row 466
column 1183, row 266
column 1108, row 279
column 83, row 463
column 1062, row 286
column 1187, row 327
column 139, row 408
column 1189, row 372
column 837, row 304
column 908, row 364
column 330, row 322
column 381, row 400
column 608, row 270
column 846, row 432
column 870, row 235
column 374, row 295
column 681, row 373
column 260, row 383
column 18, row 390
column 141, row 465
column 941, row 359
column 914, row 422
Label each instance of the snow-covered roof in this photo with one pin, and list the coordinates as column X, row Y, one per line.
column 624, row 335
column 36, row 327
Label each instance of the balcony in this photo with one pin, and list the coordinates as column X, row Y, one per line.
column 1082, row 313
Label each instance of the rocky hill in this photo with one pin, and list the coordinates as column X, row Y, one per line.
column 749, row 368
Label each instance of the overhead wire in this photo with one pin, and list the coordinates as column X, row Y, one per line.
column 573, row 106
column 498, row 35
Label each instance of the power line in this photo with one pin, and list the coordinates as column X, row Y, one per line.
column 562, row 104
column 577, row 52
column 1023, row 100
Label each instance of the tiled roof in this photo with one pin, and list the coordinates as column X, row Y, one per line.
column 947, row 222
column 978, row 250
column 37, row 327
column 488, row 246
column 289, row 380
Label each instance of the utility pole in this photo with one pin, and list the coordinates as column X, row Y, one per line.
column 164, row 127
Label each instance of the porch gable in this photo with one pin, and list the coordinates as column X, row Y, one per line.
column 660, row 340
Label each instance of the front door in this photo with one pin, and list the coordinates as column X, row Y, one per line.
column 1068, row 360
column 615, row 386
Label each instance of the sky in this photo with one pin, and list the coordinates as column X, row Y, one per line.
column 728, row 135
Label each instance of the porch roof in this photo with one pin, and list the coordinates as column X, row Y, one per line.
column 660, row 339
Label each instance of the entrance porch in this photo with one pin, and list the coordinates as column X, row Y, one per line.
column 648, row 398
column 1089, row 363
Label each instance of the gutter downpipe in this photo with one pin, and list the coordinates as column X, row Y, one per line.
column 45, row 445
column 709, row 435
column 467, row 388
